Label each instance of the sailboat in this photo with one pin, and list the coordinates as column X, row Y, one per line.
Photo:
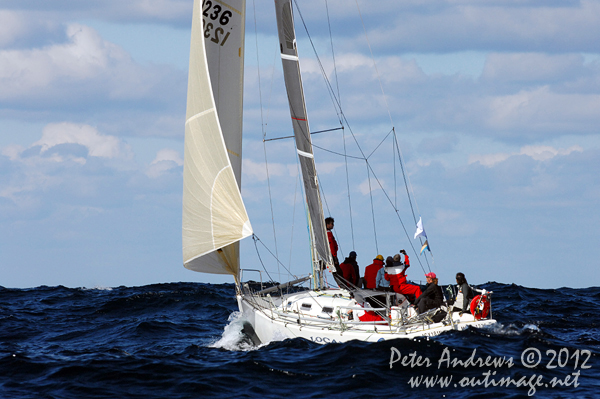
column 215, row 218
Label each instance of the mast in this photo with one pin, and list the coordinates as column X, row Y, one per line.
column 321, row 254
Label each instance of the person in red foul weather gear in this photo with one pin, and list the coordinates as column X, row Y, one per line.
column 333, row 246
column 371, row 272
column 350, row 269
column 396, row 275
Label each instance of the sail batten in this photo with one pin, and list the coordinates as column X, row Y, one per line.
column 214, row 215
column 198, row 115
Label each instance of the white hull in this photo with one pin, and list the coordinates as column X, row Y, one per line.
column 278, row 318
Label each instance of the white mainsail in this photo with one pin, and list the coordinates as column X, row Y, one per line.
column 214, row 216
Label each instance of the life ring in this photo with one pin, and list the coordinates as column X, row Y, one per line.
column 480, row 307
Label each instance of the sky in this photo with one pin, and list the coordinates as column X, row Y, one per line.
column 495, row 104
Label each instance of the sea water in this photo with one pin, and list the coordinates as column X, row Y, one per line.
column 185, row 341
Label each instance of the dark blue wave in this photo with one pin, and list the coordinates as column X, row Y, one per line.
column 184, row 340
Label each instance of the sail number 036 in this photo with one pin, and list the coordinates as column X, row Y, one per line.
column 215, row 13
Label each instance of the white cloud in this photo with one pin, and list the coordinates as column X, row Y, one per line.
column 166, row 159
column 57, row 164
column 86, row 72
column 326, row 168
column 544, row 109
column 536, row 152
column 97, row 144
column 544, row 152
column 524, row 67
column 168, row 154
column 11, row 27
column 258, row 171
column 12, row 151
column 166, row 11
column 85, row 56
column 451, row 26
column 366, row 187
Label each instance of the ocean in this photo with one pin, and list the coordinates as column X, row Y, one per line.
column 184, row 340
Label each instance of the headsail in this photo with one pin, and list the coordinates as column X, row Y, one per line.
column 214, row 216
column 293, row 84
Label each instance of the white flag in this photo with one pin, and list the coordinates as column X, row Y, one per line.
column 420, row 231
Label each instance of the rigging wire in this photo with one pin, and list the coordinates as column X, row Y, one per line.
column 370, row 168
column 264, row 130
column 404, row 175
column 347, row 124
column 348, row 188
column 395, row 178
column 337, row 82
column 407, row 185
column 372, row 208
column 293, row 221
column 337, row 106
column 329, row 213
column 380, row 143
column 256, row 239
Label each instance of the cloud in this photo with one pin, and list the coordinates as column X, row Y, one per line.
column 532, row 67
column 536, row 152
column 11, row 27
column 68, row 163
column 366, row 186
column 98, row 145
column 83, row 68
column 87, row 72
column 169, row 155
column 500, row 26
column 166, row 160
column 85, row 56
column 174, row 12
column 257, row 171
column 438, row 145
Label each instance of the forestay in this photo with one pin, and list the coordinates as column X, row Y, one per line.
column 214, row 216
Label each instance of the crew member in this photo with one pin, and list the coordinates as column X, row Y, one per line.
column 350, row 270
column 432, row 297
column 333, row 246
column 464, row 296
column 371, row 272
column 396, row 275
column 380, row 281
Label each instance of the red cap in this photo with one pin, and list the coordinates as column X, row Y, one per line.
column 431, row 275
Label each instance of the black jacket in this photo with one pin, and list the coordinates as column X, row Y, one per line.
column 432, row 292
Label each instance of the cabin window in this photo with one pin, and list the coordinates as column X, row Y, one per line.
column 327, row 309
column 306, row 306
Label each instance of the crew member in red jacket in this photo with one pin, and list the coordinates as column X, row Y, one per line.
column 396, row 275
column 333, row 245
column 350, row 270
column 371, row 272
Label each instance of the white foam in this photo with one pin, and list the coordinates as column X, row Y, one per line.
column 97, row 288
column 233, row 339
column 512, row 330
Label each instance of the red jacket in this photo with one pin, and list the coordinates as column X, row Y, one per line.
column 396, row 274
column 348, row 273
column 371, row 273
column 333, row 247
